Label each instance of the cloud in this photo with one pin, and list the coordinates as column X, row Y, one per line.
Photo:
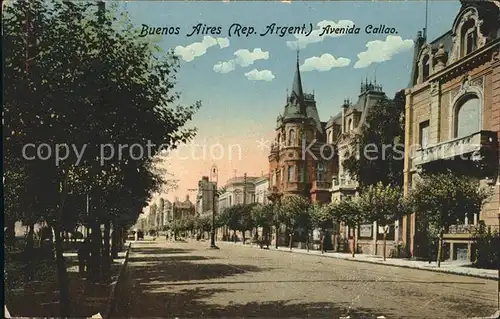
column 224, row 67
column 325, row 62
column 303, row 40
column 243, row 58
column 381, row 51
column 197, row 49
column 263, row 75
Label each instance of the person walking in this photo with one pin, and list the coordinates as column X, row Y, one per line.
column 322, row 241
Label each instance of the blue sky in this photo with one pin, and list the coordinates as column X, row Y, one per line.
column 235, row 107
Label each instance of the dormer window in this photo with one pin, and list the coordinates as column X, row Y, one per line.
column 425, row 67
column 468, row 41
column 349, row 124
column 471, row 42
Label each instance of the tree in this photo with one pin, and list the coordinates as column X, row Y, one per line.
column 85, row 80
column 443, row 199
column 351, row 214
column 296, row 215
column 380, row 145
column 384, row 205
column 263, row 214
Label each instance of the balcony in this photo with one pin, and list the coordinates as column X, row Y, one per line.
column 456, row 147
column 344, row 184
column 321, row 186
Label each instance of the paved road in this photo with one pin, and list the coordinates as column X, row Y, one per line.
column 188, row 280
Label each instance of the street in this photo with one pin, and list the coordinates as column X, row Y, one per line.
column 189, row 280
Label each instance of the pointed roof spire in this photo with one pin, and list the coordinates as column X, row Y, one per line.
column 297, row 82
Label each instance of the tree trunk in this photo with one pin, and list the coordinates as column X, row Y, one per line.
column 385, row 241
column 290, row 241
column 106, row 258
column 95, row 252
column 62, row 276
column 354, row 243
column 28, row 253
column 243, row 236
column 115, row 242
column 440, row 248
column 277, row 233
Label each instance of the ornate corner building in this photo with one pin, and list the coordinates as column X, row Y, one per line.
column 301, row 161
column 453, row 116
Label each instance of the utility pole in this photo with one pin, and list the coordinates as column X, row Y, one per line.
column 245, row 189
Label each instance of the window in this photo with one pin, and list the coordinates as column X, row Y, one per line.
column 291, row 170
column 471, row 42
column 330, row 137
column 467, row 116
column 349, row 124
column 425, row 67
column 424, row 134
column 320, row 172
column 302, row 174
column 291, row 138
column 467, row 38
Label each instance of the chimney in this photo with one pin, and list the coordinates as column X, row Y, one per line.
column 187, row 198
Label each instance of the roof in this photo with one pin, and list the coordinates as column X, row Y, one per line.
column 301, row 106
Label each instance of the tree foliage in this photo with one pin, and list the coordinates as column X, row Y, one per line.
column 379, row 155
column 383, row 204
column 447, row 198
column 79, row 78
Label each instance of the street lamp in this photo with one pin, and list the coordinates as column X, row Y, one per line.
column 214, row 176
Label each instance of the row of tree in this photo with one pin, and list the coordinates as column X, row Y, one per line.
column 80, row 89
column 441, row 201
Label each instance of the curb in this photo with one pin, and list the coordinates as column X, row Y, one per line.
column 112, row 296
column 297, row 251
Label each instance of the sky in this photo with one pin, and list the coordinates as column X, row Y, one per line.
column 242, row 81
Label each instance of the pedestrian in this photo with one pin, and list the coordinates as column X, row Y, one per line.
column 322, row 241
column 166, row 236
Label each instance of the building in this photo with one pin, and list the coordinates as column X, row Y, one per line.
column 301, row 162
column 453, row 112
column 262, row 190
column 205, row 197
column 238, row 190
column 341, row 131
column 183, row 209
column 167, row 212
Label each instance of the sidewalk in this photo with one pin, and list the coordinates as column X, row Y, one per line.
column 457, row 268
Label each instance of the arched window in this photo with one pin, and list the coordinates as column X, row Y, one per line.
column 425, row 67
column 330, row 137
column 279, row 140
column 467, row 116
column 468, row 40
column 291, row 138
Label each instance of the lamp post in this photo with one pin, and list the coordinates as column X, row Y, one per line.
column 214, row 176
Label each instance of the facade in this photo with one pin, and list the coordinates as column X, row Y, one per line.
column 183, row 209
column 238, row 190
column 453, row 116
column 341, row 131
column 205, row 197
column 262, row 190
column 167, row 212
column 301, row 162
